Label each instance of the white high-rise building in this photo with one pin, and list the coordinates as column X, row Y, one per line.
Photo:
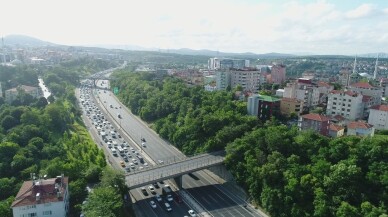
column 227, row 63
column 378, row 117
column 249, row 80
column 345, row 103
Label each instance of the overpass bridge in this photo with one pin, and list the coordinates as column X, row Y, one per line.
column 174, row 170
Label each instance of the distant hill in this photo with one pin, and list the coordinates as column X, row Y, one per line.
column 23, row 40
column 211, row 53
column 374, row 55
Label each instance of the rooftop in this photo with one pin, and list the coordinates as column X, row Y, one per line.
column 323, row 84
column 316, row 117
column 269, row 98
column 334, row 127
column 23, row 87
column 47, row 190
column 362, row 85
column 380, row 107
column 359, row 125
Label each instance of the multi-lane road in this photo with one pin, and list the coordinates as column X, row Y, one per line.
column 203, row 188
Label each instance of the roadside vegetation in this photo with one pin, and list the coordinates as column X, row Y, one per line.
column 287, row 172
column 50, row 139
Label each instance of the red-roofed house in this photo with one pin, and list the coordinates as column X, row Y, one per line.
column 316, row 122
column 378, row 117
column 336, row 130
column 43, row 197
column 366, row 89
column 338, row 120
column 360, row 128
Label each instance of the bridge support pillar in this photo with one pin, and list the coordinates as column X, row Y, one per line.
column 178, row 182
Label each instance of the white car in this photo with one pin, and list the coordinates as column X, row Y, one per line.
column 151, row 188
column 143, row 144
column 192, row 213
column 153, row 204
column 169, row 198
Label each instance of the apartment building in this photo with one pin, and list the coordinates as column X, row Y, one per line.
column 248, row 79
column 291, row 105
column 316, row 122
column 42, row 197
column 227, row 63
column 324, row 90
column 11, row 94
column 268, row 106
column 278, row 74
column 223, row 79
column 368, row 90
column 345, row 103
column 303, row 90
column 360, row 128
column 384, row 85
column 263, row 107
column 378, row 117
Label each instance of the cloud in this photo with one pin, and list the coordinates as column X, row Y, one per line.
column 364, row 10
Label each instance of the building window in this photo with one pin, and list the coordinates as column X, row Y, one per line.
column 48, row 212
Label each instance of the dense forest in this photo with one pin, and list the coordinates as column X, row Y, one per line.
column 194, row 120
column 49, row 139
column 287, row 172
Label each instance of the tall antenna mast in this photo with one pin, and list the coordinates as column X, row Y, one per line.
column 376, row 66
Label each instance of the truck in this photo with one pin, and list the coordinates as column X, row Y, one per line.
column 166, row 190
column 103, row 135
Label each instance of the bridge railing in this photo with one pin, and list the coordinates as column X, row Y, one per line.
column 187, row 167
column 176, row 160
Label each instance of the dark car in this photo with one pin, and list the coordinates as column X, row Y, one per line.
column 178, row 198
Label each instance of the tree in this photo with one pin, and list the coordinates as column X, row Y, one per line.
column 103, row 201
column 6, row 187
column 346, row 210
column 78, row 194
column 5, row 205
column 9, row 122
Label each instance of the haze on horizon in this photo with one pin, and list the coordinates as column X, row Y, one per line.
column 320, row 27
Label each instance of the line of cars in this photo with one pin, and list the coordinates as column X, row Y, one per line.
column 131, row 159
column 163, row 196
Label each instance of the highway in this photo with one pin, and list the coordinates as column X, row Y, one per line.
column 205, row 190
column 142, row 201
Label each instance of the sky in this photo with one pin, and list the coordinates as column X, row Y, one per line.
column 260, row 26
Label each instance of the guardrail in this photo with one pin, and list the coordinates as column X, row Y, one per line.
column 171, row 171
column 175, row 161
